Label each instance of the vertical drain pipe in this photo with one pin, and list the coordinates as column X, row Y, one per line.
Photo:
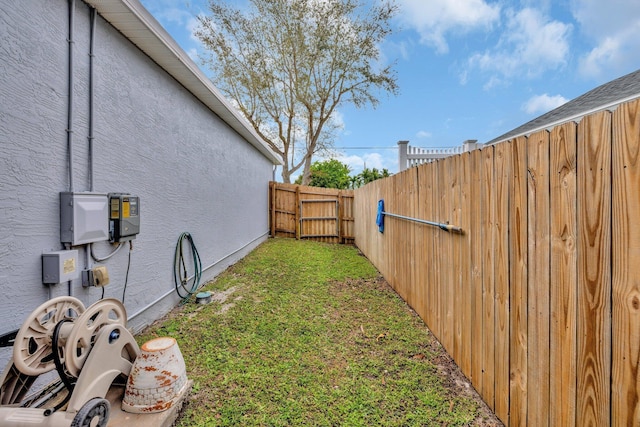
column 92, row 18
column 70, row 95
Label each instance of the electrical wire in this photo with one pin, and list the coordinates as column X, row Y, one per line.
column 126, row 277
column 180, row 272
column 98, row 259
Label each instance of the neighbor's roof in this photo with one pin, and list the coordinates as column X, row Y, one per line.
column 601, row 98
column 136, row 23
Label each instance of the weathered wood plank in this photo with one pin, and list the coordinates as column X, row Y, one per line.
column 563, row 274
column 414, row 228
column 419, row 274
column 594, row 271
column 477, row 253
column 446, row 273
column 430, row 248
column 538, row 280
column 518, row 283
column 456, row 240
column 625, row 396
column 465, row 264
column 437, row 255
column 502, row 165
column 488, row 279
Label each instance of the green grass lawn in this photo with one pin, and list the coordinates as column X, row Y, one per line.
column 306, row 333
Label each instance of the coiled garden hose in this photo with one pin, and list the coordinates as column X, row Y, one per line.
column 67, row 381
column 180, row 272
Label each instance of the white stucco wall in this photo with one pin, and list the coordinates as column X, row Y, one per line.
column 153, row 139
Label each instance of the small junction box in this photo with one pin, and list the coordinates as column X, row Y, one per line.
column 60, row 266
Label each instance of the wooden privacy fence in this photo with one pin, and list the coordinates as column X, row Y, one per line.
column 538, row 301
column 302, row 212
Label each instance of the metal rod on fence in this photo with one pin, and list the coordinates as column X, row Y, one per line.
column 443, row 226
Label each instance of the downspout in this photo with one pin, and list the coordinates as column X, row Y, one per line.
column 70, row 95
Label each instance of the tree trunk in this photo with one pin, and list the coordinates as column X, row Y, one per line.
column 286, row 176
column 306, row 173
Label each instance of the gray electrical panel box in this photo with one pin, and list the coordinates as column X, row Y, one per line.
column 60, row 266
column 83, row 218
column 124, row 217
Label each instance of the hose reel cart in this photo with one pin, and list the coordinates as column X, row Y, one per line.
column 89, row 347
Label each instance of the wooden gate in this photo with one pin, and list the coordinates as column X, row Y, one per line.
column 321, row 214
column 319, row 218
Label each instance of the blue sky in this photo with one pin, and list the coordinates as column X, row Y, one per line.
column 469, row 69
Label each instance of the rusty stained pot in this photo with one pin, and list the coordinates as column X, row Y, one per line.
column 158, row 377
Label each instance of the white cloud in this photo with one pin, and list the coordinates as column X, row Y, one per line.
column 543, row 103
column 531, row 43
column 435, row 19
column 423, row 134
column 615, row 54
column 600, row 19
column 614, row 28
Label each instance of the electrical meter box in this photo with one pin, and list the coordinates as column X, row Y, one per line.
column 83, row 218
column 124, row 217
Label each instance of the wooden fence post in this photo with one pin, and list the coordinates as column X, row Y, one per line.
column 297, row 210
column 272, row 208
column 340, row 216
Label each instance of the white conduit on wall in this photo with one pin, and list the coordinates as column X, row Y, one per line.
column 72, row 5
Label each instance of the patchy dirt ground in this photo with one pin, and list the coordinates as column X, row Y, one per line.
column 453, row 378
column 458, row 384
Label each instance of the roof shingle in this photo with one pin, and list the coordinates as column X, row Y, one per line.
column 603, row 97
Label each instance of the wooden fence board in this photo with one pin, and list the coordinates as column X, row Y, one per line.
column 477, row 256
column 502, row 166
column 437, row 256
column 518, row 283
column 404, row 255
column 456, row 240
column 390, row 234
column 464, row 294
column 431, row 249
column 412, row 229
column 420, row 250
column 538, row 280
column 626, row 253
column 488, row 278
column 563, row 275
column 446, row 273
column 594, row 271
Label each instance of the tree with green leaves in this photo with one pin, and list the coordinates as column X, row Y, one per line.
column 368, row 175
column 289, row 64
column 329, row 174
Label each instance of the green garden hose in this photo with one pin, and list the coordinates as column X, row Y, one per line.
column 180, row 272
